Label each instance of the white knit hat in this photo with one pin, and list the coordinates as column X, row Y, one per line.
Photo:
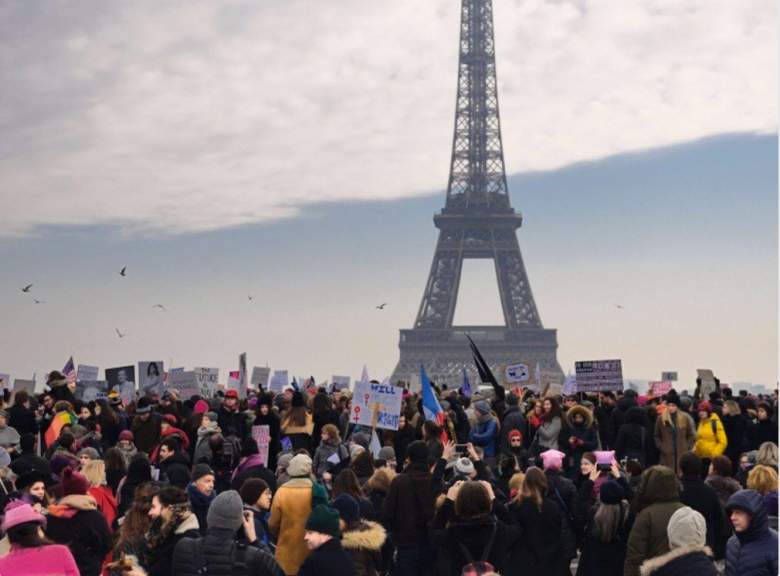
column 686, row 528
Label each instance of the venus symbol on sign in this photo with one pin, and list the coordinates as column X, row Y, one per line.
column 357, row 414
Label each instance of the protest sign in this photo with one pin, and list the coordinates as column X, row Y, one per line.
column 341, row 382
column 569, row 385
column 376, row 405
column 232, row 380
column 150, row 378
column 86, row 373
column 660, row 388
column 262, row 435
column 184, row 383
column 91, row 390
column 669, row 376
column 708, row 385
column 122, row 379
column 279, row 381
column 260, row 377
column 5, row 381
column 28, row 385
column 206, row 378
column 599, row 375
column 517, row 373
column 242, row 375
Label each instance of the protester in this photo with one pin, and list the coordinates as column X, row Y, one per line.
column 633, row 438
column 138, row 472
column 257, row 497
column 331, row 451
column 485, row 434
column 763, row 480
column 710, row 436
column 218, row 553
column 361, row 539
column 577, row 436
column 251, row 465
column 687, row 554
column 702, row 498
column 20, row 417
column 28, row 459
column 322, row 537
column 265, row 416
column 752, row 550
column 32, row 486
column 146, row 426
column 549, row 429
column 201, row 493
column 720, row 480
column 172, row 520
column 606, row 534
column 230, row 419
column 126, row 446
column 95, row 473
column 116, row 469
column 297, row 424
column 674, row 434
column 9, row 437
column 206, row 431
column 735, row 425
column 765, row 427
column 563, row 491
column 31, row 554
column 135, row 523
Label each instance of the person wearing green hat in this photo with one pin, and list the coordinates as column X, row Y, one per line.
column 323, row 538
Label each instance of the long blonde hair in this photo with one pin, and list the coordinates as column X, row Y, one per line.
column 767, row 454
column 534, row 487
column 95, row 473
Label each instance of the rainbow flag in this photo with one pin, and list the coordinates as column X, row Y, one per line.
column 59, row 420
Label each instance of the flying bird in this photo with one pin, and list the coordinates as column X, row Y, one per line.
column 123, row 271
column 251, row 297
column 27, row 288
column 381, row 306
column 618, row 306
column 160, row 306
column 118, row 333
column 39, row 301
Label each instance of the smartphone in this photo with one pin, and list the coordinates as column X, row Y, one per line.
column 604, row 467
column 461, row 448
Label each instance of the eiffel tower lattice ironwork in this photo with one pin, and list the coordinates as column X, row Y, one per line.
column 477, row 221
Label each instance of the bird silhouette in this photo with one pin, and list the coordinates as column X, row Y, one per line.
column 123, row 271
column 27, row 288
column 161, row 307
column 618, row 306
column 251, row 297
column 381, row 306
column 118, row 333
column 39, row 301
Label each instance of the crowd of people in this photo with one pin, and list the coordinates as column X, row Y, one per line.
column 504, row 482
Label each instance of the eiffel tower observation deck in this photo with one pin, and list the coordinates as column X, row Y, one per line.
column 477, row 221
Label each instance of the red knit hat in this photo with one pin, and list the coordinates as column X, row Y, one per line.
column 170, row 419
column 705, row 406
column 73, row 483
column 515, row 434
column 201, row 407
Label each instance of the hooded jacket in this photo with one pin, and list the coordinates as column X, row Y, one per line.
column 76, row 522
column 633, row 438
column 363, row 542
column 585, row 437
column 219, row 551
column 159, row 560
column 682, row 561
column 710, row 437
column 754, row 551
column 409, row 506
column 702, row 498
column 658, row 497
column 176, row 470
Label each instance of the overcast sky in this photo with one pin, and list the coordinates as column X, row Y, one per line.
column 135, row 130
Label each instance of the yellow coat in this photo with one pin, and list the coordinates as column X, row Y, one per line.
column 709, row 444
column 289, row 511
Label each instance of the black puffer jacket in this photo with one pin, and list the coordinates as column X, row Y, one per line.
column 220, row 554
column 634, row 436
column 754, row 551
column 562, row 491
column 158, row 559
column 683, row 561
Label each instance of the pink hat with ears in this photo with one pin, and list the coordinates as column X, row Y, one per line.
column 18, row 512
column 552, row 459
column 606, row 457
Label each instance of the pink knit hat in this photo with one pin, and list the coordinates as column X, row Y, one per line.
column 201, row 407
column 73, row 483
column 18, row 512
column 552, row 459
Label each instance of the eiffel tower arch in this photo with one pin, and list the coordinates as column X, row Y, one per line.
column 477, row 221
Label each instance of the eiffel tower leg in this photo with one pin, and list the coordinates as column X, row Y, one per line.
column 437, row 308
column 516, row 297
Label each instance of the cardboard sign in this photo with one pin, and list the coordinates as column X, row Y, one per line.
column 669, row 376
column 279, row 381
column 341, row 382
column 376, row 405
column 517, row 373
column 86, row 373
column 708, row 385
column 260, row 376
column 242, row 375
column 262, row 435
column 184, row 383
column 207, row 380
column 122, row 379
column 5, row 382
column 91, row 390
column 599, row 375
column 658, row 389
column 150, row 378
column 569, row 385
column 28, row 385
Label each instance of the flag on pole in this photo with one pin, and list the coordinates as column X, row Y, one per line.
column 295, row 385
column 57, row 422
column 430, row 404
column 70, row 371
column 465, row 388
column 538, row 375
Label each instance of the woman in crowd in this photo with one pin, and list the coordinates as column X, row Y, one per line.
column 138, row 472
column 735, row 424
column 674, row 434
column 126, row 446
column 136, row 522
column 606, row 534
column 633, row 437
column 719, row 478
column 265, row 416
column 251, row 465
column 577, row 436
column 297, row 424
column 257, row 496
column 763, row 480
column 110, row 425
column 115, row 468
column 346, row 482
column 361, row 539
column 710, row 436
column 206, row 431
column 323, row 414
column 95, row 473
column 549, row 429
column 330, row 445
column 767, row 455
column 172, row 520
column 764, row 429
column 32, row 485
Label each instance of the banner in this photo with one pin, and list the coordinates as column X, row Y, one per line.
column 279, row 381
column 122, row 379
column 341, row 382
column 150, row 376
column 599, row 375
column 86, row 373
column 5, row 382
column 569, row 385
column 517, row 373
column 232, row 380
column 669, row 376
column 206, row 378
column 660, row 388
column 260, row 376
column 184, row 383
column 242, row 375
column 383, row 398
column 28, row 385
column 262, row 435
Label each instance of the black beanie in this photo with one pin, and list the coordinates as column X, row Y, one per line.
column 417, row 452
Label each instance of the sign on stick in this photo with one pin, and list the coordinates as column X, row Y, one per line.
column 599, row 375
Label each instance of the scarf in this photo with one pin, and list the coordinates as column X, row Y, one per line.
column 248, row 462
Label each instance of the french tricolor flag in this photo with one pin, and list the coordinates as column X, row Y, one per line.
column 430, row 404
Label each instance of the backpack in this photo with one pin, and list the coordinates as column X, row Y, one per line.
column 482, row 566
column 231, row 452
column 237, row 554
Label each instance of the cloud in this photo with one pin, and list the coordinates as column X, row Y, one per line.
column 189, row 116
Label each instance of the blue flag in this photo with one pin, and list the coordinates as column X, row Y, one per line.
column 465, row 388
column 430, row 404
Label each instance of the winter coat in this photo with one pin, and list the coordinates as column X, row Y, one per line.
column 252, row 467
column 325, row 450
column 603, row 416
column 513, row 419
column 290, row 509
column 76, row 522
column 702, row 498
column 176, row 470
column 754, row 551
column 232, row 422
column 158, row 561
column 330, row 559
column 199, row 503
column 260, row 520
column 106, row 503
column 673, row 439
column 762, row 431
column 218, row 551
column 724, row 487
column 139, row 472
column 633, row 437
column 22, row 419
column 203, row 451
column 321, row 419
column 585, row 436
column 453, row 537
column 401, row 440
column 171, row 432
column 43, row 561
column 603, row 558
column 539, row 551
column 363, row 542
column 683, row 561
column 485, row 434
column 300, row 436
column 547, row 434
column 146, row 434
column 710, row 437
column 658, row 497
column 736, row 427
column 409, row 506
column 562, row 491
column 618, row 417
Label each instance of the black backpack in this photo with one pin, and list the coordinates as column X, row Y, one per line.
column 237, row 554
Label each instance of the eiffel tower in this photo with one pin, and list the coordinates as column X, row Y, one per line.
column 477, row 221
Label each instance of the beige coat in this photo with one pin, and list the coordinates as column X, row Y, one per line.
column 290, row 510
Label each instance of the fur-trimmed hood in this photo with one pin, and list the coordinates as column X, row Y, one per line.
column 581, row 410
column 365, row 536
column 654, row 564
column 189, row 523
